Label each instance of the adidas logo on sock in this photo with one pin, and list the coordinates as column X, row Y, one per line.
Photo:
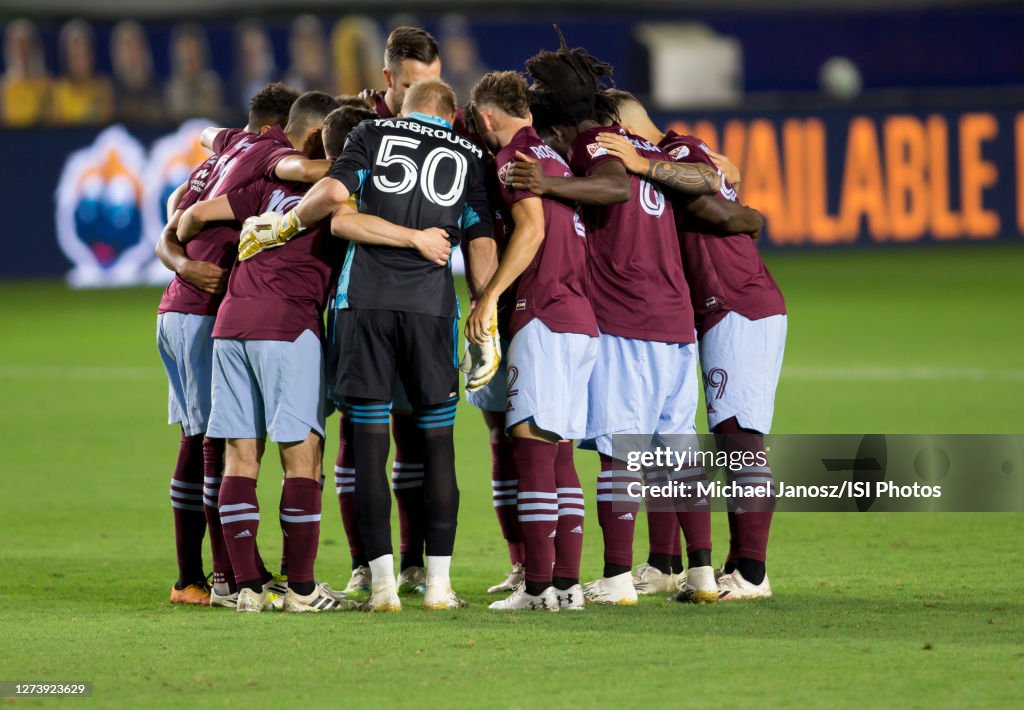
column 626, row 516
column 578, row 530
column 244, row 533
column 552, row 533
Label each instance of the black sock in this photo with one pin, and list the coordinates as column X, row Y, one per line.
column 563, row 583
column 677, row 563
column 413, row 558
column 698, row 558
column 661, row 562
column 440, row 488
column 253, row 584
column 752, row 570
column 303, row 589
column 536, row 588
column 360, row 561
column 262, row 582
column 183, row 582
column 729, row 566
column 371, row 441
column 611, row 570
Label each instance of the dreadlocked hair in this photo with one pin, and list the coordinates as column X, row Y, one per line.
column 570, row 81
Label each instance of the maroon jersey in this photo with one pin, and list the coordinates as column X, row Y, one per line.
column 725, row 273
column 280, row 292
column 637, row 284
column 553, row 287
column 240, row 158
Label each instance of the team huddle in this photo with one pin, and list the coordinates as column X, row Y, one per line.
column 312, row 259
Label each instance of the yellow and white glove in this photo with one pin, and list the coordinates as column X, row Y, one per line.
column 480, row 363
column 268, row 231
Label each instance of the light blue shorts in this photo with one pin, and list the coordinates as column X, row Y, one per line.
column 640, row 387
column 186, row 348
column 268, row 389
column 493, row 397
column 548, row 377
column 741, row 360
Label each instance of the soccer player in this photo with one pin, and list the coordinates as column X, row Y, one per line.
column 552, row 351
column 187, row 312
column 644, row 382
column 395, row 313
column 185, row 319
column 268, row 380
column 741, row 323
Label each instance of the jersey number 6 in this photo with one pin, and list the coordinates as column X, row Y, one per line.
column 388, row 155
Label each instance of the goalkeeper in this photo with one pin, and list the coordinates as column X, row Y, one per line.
column 398, row 314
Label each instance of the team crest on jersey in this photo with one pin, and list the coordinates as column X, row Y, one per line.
column 521, row 304
column 710, row 302
column 680, row 151
column 503, row 171
column 595, row 150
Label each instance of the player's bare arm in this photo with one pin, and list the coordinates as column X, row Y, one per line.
column 202, row 213
column 175, row 199
column 688, row 178
column 323, row 199
column 528, row 216
column 298, row 168
column 209, row 135
column 204, row 275
column 482, row 254
column 725, row 217
column 607, row 185
column 432, row 244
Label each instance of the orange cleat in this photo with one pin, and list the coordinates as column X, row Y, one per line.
column 198, row 594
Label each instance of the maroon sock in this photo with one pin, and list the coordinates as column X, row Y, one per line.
column 730, row 560
column 693, row 511
column 616, row 514
column 300, row 520
column 751, row 516
column 662, row 525
column 345, row 486
column 407, row 484
column 569, row 534
column 537, row 505
column 213, row 471
column 187, row 506
column 504, row 487
column 240, row 520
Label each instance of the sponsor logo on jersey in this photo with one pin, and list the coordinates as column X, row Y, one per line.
column 710, row 302
column 595, row 150
column 521, row 304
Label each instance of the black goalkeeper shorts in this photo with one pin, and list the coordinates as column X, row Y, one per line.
column 370, row 346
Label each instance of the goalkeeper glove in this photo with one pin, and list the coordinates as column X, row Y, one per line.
column 480, row 363
column 268, row 231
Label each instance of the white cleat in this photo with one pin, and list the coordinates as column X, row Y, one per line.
column 275, row 590
column 520, row 600
column 733, row 587
column 698, row 586
column 616, row 590
column 412, row 580
column 516, row 577
column 651, row 580
column 383, row 598
column 320, row 599
column 570, row 599
column 229, row 601
column 251, row 602
column 359, row 582
column 440, row 596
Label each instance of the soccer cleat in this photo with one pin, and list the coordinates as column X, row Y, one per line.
column 651, row 580
column 383, row 598
column 698, row 586
column 228, row 600
column 359, row 582
column 252, row 602
column 197, row 594
column 733, row 587
column 520, row 600
column 320, row 599
column 275, row 590
column 412, row 580
column 570, row 599
column 616, row 590
column 439, row 595
column 514, row 579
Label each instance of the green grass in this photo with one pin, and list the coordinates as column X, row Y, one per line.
column 912, row 609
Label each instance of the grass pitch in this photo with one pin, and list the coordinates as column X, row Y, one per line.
column 912, row 609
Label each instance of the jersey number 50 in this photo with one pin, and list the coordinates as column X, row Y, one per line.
column 388, row 155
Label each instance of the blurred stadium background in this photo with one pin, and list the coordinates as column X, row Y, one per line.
column 884, row 142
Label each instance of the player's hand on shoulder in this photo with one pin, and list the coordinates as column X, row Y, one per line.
column 433, row 245
column 206, row 276
column 267, row 231
column 728, row 168
column 526, row 174
column 621, row 148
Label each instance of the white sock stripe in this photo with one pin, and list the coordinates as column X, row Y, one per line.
column 344, row 469
column 537, row 506
column 209, row 502
column 213, row 480
column 502, row 484
column 406, row 475
column 345, row 489
column 186, row 506
column 578, row 512
column 533, row 517
column 616, row 498
column 186, row 496
column 561, row 491
column 755, row 469
column 410, row 484
column 186, row 486
column 500, row 503
column 691, row 476
column 237, row 506
column 571, row 504
column 751, row 481
column 212, row 492
column 311, row 518
column 537, row 494
column 235, row 518
column 403, row 466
